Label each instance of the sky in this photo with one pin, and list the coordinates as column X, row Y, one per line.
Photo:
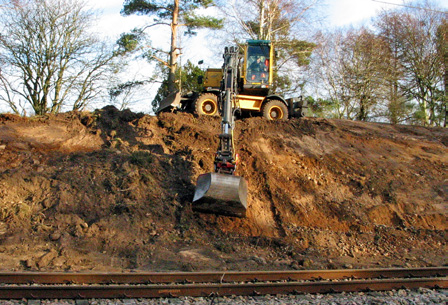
column 338, row 13
column 352, row 12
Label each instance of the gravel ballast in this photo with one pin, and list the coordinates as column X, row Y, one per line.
column 399, row 297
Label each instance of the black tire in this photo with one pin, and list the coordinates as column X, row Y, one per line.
column 275, row 110
column 207, row 104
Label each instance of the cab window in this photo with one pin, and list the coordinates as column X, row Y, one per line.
column 257, row 64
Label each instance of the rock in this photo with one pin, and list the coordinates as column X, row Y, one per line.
column 46, row 259
column 305, row 262
column 55, row 236
column 3, row 228
column 59, row 261
column 258, row 260
column 283, row 262
column 65, row 241
column 19, row 145
column 29, row 264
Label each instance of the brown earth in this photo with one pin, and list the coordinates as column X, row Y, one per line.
column 112, row 190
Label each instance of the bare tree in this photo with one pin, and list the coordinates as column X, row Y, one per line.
column 326, row 74
column 363, row 68
column 281, row 21
column 395, row 71
column 348, row 70
column 50, row 58
column 442, row 42
column 397, row 103
column 267, row 19
column 414, row 38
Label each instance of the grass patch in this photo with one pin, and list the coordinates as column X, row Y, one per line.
column 141, row 158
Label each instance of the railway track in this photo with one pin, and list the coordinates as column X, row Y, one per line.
column 43, row 285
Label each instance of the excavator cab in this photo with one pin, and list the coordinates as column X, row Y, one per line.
column 257, row 70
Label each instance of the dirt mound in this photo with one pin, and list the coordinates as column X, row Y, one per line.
column 112, row 189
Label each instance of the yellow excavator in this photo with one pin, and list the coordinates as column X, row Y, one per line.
column 254, row 79
column 241, row 85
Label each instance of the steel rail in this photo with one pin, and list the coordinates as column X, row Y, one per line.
column 213, row 277
column 195, row 290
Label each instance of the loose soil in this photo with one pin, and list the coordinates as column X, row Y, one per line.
column 111, row 190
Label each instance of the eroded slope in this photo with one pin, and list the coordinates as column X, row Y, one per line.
column 111, row 190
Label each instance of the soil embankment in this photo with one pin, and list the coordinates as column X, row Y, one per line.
column 112, row 190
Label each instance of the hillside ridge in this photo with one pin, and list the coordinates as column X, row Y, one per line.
column 112, row 190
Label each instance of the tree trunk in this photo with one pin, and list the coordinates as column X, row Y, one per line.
column 261, row 31
column 445, row 62
column 172, row 87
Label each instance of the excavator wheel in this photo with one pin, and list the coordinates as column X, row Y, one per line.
column 275, row 110
column 207, row 104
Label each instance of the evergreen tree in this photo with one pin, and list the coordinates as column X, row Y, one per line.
column 188, row 76
column 175, row 14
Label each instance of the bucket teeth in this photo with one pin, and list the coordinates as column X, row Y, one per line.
column 171, row 101
column 221, row 194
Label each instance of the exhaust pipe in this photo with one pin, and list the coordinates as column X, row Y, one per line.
column 221, row 194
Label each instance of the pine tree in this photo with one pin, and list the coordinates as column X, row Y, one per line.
column 175, row 14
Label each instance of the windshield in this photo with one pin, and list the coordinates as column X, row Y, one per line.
column 257, row 64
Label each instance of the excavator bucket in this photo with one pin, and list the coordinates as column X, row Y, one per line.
column 221, row 194
column 171, row 101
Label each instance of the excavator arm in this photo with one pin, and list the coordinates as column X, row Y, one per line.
column 225, row 161
column 222, row 192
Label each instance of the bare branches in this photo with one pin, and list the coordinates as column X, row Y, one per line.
column 393, row 72
column 51, row 58
column 178, row 15
column 412, row 35
column 279, row 21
